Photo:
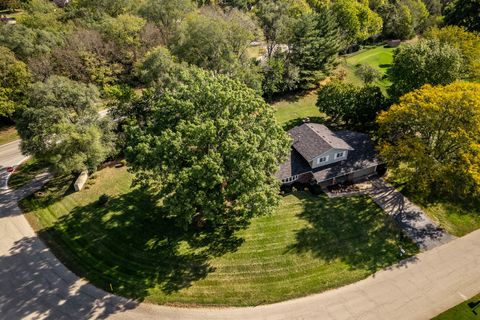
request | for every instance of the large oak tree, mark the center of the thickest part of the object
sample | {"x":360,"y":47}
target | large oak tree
{"x":208,"y":148}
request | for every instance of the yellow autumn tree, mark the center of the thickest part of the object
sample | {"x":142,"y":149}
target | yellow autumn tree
{"x":431,"y":139}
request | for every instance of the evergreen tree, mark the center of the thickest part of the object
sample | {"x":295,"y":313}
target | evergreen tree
{"x":315,"y":45}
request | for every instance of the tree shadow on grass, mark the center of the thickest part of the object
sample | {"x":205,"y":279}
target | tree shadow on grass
{"x":298,"y":121}
{"x":353,"y":230}
{"x":127,"y":247}
{"x":35,"y":285}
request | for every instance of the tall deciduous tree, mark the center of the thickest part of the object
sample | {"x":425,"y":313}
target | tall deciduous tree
{"x":209,"y":150}
{"x":14,"y":78}
{"x":467,"y":42}
{"x":431,"y":139}
{"x":218,"y":41}
{"x":61,"y":126}
{"x":464,"y":13}
{"x":356,"y":20}
{"x":349,"y":105}
{"x":166,"y":14}
{"x":428,"y":61}
{"x":397,"y":21}
{"x":277,"y":19}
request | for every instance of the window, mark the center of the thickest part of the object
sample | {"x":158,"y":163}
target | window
{"x":322,"y":159}
{"x":339,"y":155}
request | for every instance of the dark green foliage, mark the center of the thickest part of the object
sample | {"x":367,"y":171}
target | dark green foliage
{"x":61,"y":127}
{"x":314,"y":47}
{"x":279,"y":76}
{"x":26,"y":42}
{"x":208,"y":147}
{"x":465,"y":13}
{"x":351,"y":106}
{"x":428,"y":61}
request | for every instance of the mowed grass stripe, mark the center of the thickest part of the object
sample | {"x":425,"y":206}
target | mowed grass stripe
{"x":310,"y":244}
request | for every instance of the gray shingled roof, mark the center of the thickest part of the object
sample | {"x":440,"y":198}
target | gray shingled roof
{"x":362,"y":156}
{"x":314,"y":139}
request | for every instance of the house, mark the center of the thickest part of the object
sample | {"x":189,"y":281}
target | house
{"x":321,"y":156}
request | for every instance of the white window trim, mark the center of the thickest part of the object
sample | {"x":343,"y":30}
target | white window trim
{"x":320,"y":158}
{"x":342,"y":154}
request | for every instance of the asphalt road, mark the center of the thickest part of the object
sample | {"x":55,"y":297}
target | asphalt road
{"x":10,"y":156}
{"x":34,"y":284}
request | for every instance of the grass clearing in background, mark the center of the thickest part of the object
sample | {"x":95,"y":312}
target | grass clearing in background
{"x":378,"y":57}
{"x":291,"y":111}
{"x":310,"y":244}
{"x":8,"y":134}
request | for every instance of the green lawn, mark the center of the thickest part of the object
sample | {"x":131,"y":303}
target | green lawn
{"x":291,"y":111}
{"x":378,"y":57}
{"x":8,"y":134}
{"x":309,"y":245}
{"x":457,"y":218}
{"x":468,"y":310}
{"x":25,"y":173}
{"x":294,"y":110}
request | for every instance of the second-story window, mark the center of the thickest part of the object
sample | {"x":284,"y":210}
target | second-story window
{"x":322,"y":159}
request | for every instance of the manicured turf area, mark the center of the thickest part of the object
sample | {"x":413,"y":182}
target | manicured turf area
{"x":378,"y":57}
{"x":295,"y":109}
{"x":309,"y":245}
{"x":457,"y":218}
{"x":469,"y":310}
{"x":25,"y":173}
{"x":291,"y":111}
{"x":8,"y":134}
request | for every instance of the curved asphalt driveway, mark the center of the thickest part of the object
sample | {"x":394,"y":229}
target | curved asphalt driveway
{"x":35,"y":285}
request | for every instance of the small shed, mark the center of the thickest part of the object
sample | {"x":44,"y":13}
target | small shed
{"x":393,"y":43}
{"x":81,"y":180}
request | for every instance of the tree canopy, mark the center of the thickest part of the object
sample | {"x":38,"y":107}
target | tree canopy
{"x":60,"y":125}
{"x":431,"y":139}
{"x":467,"y":42}
{"x":14,"y":78}
{"x":356,"y":20}
{"x":464,"y":13}
{"x":208,"y":149}
{"x":218,"y":41}
{"x":428,"y":61}
{"x":349,"y":105}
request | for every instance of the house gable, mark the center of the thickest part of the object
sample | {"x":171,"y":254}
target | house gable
{"x":331,"y":156}
{"x":318,"y":145}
